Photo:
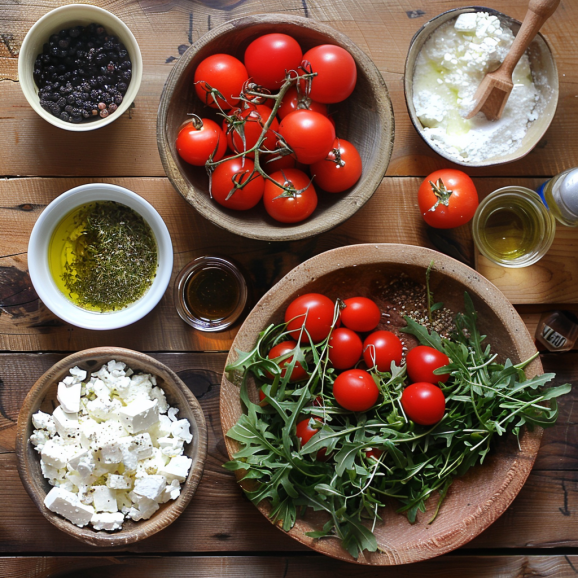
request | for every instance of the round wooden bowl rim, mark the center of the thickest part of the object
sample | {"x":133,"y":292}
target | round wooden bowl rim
{"x":397,"y":254}
{"x":312,"y":226}
{"x":144,"y":528}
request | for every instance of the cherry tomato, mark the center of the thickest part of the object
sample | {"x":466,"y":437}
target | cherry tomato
{"x":374,"y":453}
{"x":295,"y":207}
{"x":305,"y":432}
{"x":269,"y":56}
{"x":225,"y":73}
{"x":424,"y":403}
{"x":313,"y":310}
{"x":381,"y":348}
{"x":262,"y":398}
{"x":309,"y":134}
{"x":336,"y":73}
{"x":345,"y":348}
{"x":282,"y":348}
{"x":234,"y":171}
{"x":447,"y":198}
{"x":255,"y":118}
{"x":197,"y":141}
{"x":294,"y":100}
{"x":421,"y":362}
{"x":340,"y":169}
{"x":355,"y":390}
{"x":360,"y":314}
{"x":272,"y":166}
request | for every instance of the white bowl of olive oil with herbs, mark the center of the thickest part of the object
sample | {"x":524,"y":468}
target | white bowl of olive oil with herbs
{"x":100,"y":256}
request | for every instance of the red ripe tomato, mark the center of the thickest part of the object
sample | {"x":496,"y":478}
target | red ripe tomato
{"x":336,"y":73}
{"x":282,"y":348}
{"x":424,"y":403}
{"x":262,"y":398}
{"x":255,"y":118}
{"x":345,"y":348}
{"x":421,"y":362}
{"x":313,"y":310}
{"x":234,"y":171}
{"x":355,"y":390}
{"x":374,"y":453}
{"x":295,"y":207}
{"x":340,"y":169}
{"x":225,"y":73}
{"x":309,"y":134}
{"x":197,"y":141}
{"x":380,"y":349}
{"x":304,"y":431}
{"x":272,"y":166}
{"x":269,"y":56}
{"x":360,"y":314}
{"x":294,"y":100}
{"x":447,"y":199}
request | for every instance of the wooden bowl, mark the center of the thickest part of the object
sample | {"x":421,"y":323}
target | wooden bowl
{"x":365,"y":119}
{"x":42,"y":396}
{"x":541,"y":61}
{"x":475,"y":500}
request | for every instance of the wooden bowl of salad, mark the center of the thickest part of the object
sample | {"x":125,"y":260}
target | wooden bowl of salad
{"x":394,"y":277}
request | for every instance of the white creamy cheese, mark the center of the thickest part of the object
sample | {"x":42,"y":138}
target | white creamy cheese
{"x":113,"y":449}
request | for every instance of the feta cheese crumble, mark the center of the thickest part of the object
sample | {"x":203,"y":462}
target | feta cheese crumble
{"x":113,"y":449}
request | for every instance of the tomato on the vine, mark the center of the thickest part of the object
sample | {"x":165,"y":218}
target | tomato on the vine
{"x":294,"y":100}
{"x":309,"y":134}
{"x":360,"y":314}
{"x":355,"y":390}
{"x":282,"y":348}
{"x":223,"y":72}
{"x":199,"y":139}
{"x":269,"y":56}
{"x":345,"y":348}
{"x":424,"y":403}
{"x":421,"y":362}
{"x":235,"y":171}
{"x":380,"y":349}
{"x":271,"y":164}
{"x":293,"y":205}
{"x":312,"y":311}
{"x":336,"y":73}
{"x":340,"y":169}
{"x":447,"y":198}
{"x":255,"y":117}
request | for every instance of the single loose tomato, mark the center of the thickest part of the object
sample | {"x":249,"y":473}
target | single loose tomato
{"x":380,"y":349}
{"x":271,"y":164}
{"x":304,"y":431}
{"x":269,"y":56}
{"x":223,"y":72}
{"x":424,"y":403}
{"x":312,"y":311}
{"x":340,"y":169}
{"x":360,"y":314}
{"x":282,"y":348}
{"x":294,"y":100}
{"x":447,"y":198}
{"x":421,"y":362}
{"x":254,"y":119}
{"x":355,"y":390}
{"x":336,"y":73}
{"x":292,"y":199}
{"x":345,"y":348}
{"x":199,"y":139}
{"x":309,"y":134}
{"x":374,"y":453}
{"x":226,"y":178}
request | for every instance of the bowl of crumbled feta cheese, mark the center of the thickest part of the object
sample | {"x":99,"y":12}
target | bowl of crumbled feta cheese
{"x":447,"y":60}
{"x":111,"y":445}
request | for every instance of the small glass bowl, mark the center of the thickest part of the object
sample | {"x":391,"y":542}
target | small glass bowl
{"x":194,"y":267}
{"x":531,"y":211}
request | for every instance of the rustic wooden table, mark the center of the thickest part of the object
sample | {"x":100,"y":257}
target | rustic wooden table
{"x":221,"y":533}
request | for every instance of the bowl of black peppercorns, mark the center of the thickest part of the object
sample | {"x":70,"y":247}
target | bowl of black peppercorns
{"x":80,"y":67}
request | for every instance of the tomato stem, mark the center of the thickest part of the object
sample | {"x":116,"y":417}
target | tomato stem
{"x":442,"y":194}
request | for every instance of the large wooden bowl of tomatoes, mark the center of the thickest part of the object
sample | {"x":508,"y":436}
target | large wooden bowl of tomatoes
{"x":384,"y":404}
{"x":275,"y":127}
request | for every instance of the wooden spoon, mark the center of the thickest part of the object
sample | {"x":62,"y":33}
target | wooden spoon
{"x":495,"y":89}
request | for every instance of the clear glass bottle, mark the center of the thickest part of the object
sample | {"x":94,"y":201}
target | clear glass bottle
{"x":560,"y":195}
{"x":557,"y":330}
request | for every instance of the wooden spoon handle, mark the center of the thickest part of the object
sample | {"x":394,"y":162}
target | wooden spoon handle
{"x":538,"y":12}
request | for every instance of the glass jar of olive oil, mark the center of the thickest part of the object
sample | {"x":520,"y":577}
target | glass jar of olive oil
{"x":513,"y":228}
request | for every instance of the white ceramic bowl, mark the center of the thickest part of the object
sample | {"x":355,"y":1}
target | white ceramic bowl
{"x":39,"y":268}
{"x":66,"y":17}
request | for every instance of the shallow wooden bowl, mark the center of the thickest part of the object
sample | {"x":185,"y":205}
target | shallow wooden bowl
{"x":42,"y":396}
{"x":545,"y":76}
{"x":365,"y":119}
{"x":483,"y":494}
